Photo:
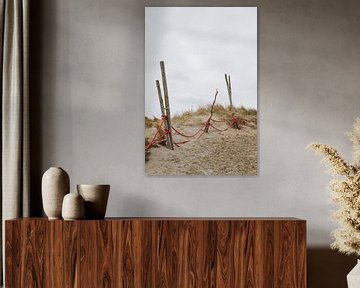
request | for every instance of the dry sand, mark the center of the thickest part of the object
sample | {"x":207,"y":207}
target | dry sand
{"x":231,"y":152}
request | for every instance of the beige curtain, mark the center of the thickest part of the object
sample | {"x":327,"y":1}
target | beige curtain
{"x":14,"y":25}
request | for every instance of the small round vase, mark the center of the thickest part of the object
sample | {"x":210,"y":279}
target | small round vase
{"x":96,"y":198}
{"x":73,"y":207}
{"x":55,"y":185}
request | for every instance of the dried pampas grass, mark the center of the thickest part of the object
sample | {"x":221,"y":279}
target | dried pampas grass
{"x":345,"y":192}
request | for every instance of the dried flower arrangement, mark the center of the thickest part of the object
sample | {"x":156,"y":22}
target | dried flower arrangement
{"x":345,"y":191}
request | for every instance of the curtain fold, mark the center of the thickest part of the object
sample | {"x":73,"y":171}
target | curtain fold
{"x":15,"y":162}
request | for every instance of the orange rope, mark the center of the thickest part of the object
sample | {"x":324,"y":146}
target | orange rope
{"x":154,"y":141}
{"x":220,"y":130}
{"x":155,"y":138}
{"x":182,"y":142}
{"x":184,"y":135}
{"x":202,"y":129}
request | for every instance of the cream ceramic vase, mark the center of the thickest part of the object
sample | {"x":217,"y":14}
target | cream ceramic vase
{"x":55,"y":185}
{"x":353,"y":278}
{"x":96,"y":198}
{"x":73,"y":207}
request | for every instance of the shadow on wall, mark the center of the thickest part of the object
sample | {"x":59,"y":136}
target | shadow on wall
{"x":328,"y":268}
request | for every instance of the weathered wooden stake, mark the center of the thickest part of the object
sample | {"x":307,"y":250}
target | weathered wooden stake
{"x":163,"y":113}
{"x":228,"y":85}
{"x":161,"y":101}
{"x":169,"y":144}
{"x":207,"y":124}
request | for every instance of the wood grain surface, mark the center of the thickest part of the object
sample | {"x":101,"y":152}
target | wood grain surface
{"x":159,"y":252}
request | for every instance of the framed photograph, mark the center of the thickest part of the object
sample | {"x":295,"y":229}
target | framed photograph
{"x":201,"y":91}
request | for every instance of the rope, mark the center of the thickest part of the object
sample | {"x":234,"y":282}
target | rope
{"x":182,"y":142}
{"x":154,"y":141}
{"x":233,"y":123}
{"x":220,"y":130}
{"x":184,"y":135}
{"x":156,"y":138}
{"x":204,"y":128}
{"x":201,"y":134}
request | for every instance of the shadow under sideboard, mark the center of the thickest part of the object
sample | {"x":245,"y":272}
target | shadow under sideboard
{"x":328,"y":268}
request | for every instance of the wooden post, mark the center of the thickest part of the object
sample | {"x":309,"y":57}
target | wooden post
{"x":230,"y":93}
{"x":163,"y":113}
{"x":228,"y":85}
{"x":207,"y":124}
{"x":169,"y":144}
{"x":161,"y":101}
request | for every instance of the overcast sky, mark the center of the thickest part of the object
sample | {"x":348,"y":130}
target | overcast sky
{"x":199,"y":45}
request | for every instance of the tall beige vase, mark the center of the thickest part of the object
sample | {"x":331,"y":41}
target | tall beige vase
{"x":55,"y":185}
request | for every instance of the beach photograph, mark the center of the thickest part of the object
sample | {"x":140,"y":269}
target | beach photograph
{"x":201,"y":91}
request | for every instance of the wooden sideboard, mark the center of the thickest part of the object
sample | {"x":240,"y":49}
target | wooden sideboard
{"x":156,"y":252}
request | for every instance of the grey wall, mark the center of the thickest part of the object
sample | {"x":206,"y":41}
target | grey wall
{"x":87,"y":89}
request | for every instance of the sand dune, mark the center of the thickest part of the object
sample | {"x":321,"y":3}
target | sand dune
{"x":231,"y":152}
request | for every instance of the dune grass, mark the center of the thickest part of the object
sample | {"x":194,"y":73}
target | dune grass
{"x":151,"y":122}
{"x":188,"y":117}
{"x":219,"y":111}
